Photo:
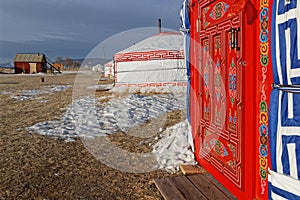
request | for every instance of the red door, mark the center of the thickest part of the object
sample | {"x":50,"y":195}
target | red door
{"x":230,"y":79}
{"x":221,"y":92}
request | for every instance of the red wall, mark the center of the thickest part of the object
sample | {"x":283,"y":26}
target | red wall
{"x":24,"y":67}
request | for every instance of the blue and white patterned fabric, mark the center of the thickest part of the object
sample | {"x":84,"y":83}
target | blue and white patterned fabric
{"x":284,"y":116}
{"x":185,"y":28}
{"x":284,"y":144}
{"x":285,"y":43}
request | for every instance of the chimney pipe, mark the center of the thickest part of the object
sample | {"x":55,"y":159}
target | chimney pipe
{"x":159,"y":25}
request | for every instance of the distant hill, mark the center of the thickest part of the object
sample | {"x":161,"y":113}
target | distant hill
{"x":90,"y":62}
{"x":6,"y":65}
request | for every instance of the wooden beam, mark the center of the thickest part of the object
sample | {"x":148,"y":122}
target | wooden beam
{"x":191,"y":169}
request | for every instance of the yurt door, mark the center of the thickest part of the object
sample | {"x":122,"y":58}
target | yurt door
{"x":221,"y":88}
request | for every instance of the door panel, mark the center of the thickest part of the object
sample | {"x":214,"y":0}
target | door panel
{"x":206,"y":71}
{"x":221,"y":92}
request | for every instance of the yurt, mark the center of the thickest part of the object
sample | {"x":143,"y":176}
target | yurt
{"x":244,"y":97}
{"x":109,"y":70}
{"x":155,"y":61}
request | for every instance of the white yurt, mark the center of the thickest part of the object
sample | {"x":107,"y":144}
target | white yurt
{"x":156,"y":61}
{"x":109,"y":70}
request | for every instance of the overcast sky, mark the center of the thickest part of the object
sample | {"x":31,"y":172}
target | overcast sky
{"x":72,"y":28}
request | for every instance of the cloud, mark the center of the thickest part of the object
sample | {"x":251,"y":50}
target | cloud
{"x":84,"y":22}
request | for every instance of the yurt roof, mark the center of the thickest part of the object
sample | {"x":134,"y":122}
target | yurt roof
{"x":161,"y":41}
{"x":108,"y":64}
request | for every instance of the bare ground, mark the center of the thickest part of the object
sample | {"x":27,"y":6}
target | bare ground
{"x":39,"y":167}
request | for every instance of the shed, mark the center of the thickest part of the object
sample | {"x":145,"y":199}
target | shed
{"x":155,"y":61}
{"x":245,"y":97}
{"x":30,"y":63}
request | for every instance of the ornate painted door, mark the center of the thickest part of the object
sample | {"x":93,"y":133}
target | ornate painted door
{"x":221,"y":90}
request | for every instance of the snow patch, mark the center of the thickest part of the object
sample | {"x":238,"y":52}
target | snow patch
{"x":149,"y":90}
{"x":86,"y":118}
{"x":83,"y":119}
{"x":100,"y":87}
{"x":33,"y":94}
{"x":173,"y":149}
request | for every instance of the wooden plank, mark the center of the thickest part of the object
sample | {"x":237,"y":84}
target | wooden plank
{"x":207,"y":188}
{"x":191,"y":169}
{"x":187,"y":189}
{"x":178,"y":188}
{"x":193,"y":187}
{"x":212,"y":180}
{"x":168,"y":190}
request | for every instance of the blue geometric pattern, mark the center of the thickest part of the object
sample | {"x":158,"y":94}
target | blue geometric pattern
{"x":284,"y":132}
{"x":282,"y":187}
{"x":290,"y":109}
{"x":285,"y":43}
{"x":284,"y":114}
{"x":185,"y":28}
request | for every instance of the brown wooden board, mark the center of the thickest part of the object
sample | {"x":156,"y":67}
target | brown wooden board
{"x":178,"y":188}
{"x":219,"y":185}
{"x":188,"y":190}
{"x":168,"y":189}
{"x":200,"y":186}
{"x":209,"y":189}
{"x":191,"y":169}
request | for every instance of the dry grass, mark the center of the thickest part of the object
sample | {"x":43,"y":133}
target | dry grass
{"x":38,"y":167}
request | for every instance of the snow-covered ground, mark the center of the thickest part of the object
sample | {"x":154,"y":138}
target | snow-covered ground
{"x":149,"y":90}
{"x":34,"y":94}
{"x":87,"y":118}
{"x":100,"y":87}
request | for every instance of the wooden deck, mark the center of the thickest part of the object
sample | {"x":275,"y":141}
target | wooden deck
{"x":199,"y":186}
